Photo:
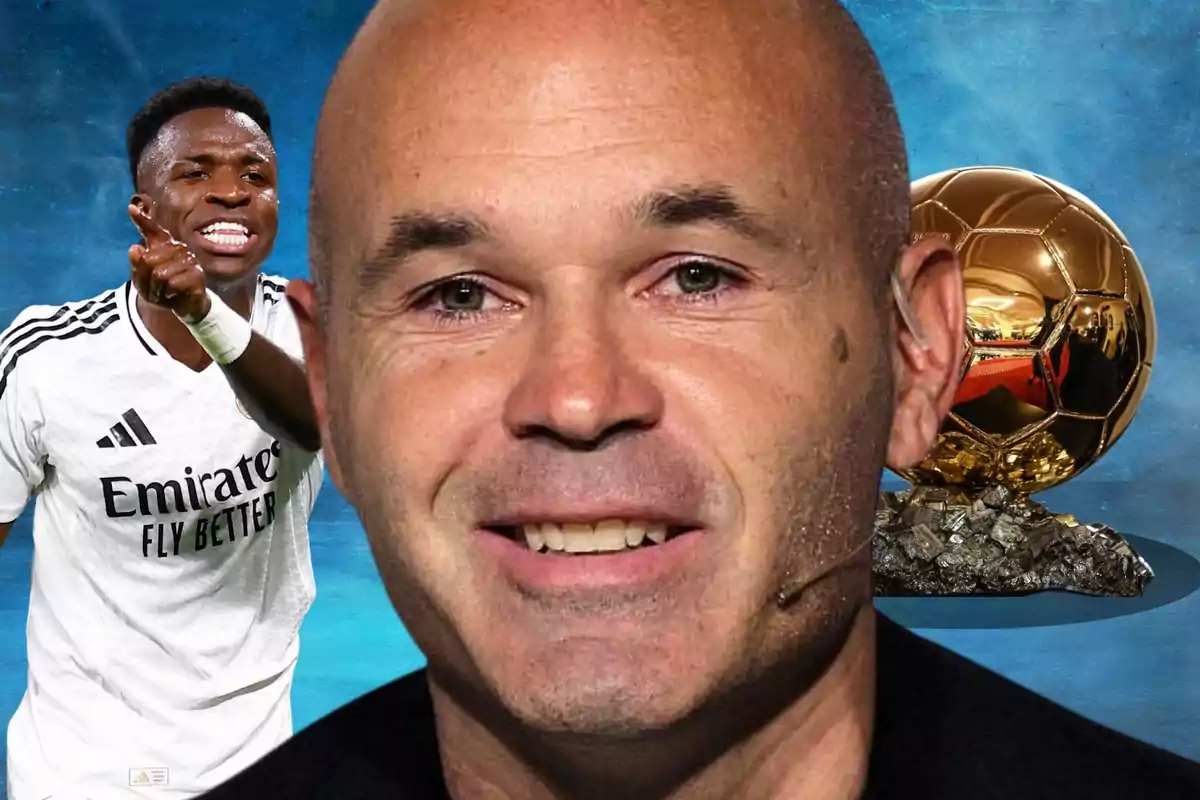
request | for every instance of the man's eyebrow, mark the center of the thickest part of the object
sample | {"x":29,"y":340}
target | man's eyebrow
{"x":715,"y":204}
{"x":416,"y":232}
{"x":209,"y":160}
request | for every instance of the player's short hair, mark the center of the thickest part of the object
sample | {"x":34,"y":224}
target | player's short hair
{"x":184,"y":96}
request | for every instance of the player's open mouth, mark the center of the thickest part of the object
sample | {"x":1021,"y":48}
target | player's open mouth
{"x":227,"y":238}
{"x":579,"y":538}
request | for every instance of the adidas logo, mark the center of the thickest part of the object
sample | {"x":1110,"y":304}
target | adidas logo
{"x":120,"y":435}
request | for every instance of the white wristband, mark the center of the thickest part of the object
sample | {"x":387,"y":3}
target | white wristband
{"x":223,"y":333}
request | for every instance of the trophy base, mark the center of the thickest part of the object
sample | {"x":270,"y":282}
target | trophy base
{"x":940,"y":541}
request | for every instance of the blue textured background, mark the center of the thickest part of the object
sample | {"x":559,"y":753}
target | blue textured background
{"x":1099,"y":94}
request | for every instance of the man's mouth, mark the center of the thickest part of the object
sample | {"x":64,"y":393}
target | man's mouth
{"x":579,"y":538}
{"x":227,"y":238}
{"x":548,"y":553}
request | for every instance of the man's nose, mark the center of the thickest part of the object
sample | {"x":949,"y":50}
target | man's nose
{"x":228,"y":190}
{"x":581,"y":386}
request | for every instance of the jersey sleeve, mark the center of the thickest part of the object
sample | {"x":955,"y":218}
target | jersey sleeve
{"x":22,"y":457}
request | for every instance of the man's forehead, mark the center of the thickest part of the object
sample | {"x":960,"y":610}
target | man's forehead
{"x":623,"y":117}
{"x":206,"y":128}
{"x":491,"y":53}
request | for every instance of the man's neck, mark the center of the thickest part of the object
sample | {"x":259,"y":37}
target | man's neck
{"x":817,"y":746}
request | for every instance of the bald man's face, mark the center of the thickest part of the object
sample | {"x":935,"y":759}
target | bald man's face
{"x":600,"y":372}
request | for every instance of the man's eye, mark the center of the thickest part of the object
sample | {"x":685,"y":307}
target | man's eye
{"x":698,"y":279}
{"x":460,"y":295}
{"x":460,"y":301}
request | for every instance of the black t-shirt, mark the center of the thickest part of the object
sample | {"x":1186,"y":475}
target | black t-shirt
{"x":945,"y":729}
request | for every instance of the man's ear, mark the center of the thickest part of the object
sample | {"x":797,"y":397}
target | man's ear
{"x":928,"y":361}
{"x":142,"y":201}
{"x":302,"y":297}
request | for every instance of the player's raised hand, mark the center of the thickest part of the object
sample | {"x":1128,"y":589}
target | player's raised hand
{"x":164,"y":271}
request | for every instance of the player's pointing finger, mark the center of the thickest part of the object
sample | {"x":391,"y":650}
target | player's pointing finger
{"x":151,"y":231}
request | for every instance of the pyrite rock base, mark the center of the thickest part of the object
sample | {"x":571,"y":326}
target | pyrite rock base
{"x":948,"y":541}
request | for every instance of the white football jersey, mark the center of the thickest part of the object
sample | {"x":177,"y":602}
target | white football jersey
{"x":171,"y":565}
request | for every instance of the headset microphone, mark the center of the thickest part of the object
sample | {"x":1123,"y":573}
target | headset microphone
{"x":792,"y":590}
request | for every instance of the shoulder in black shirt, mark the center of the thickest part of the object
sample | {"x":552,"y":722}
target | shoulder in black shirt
{"x":945,"y":729}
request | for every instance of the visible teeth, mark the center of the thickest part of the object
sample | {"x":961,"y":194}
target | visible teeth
{"x":607,"y":536}
{"x":227,"y":234}
{"x":534,"y":537}
{"x":578,"y":538}
{"x":228,"y":239}
{"x":554,"y":537}
{"x":227,"y":227}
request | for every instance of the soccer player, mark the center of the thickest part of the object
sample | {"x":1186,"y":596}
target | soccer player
{"x":606,"y":355}
{"x":166,"y":431}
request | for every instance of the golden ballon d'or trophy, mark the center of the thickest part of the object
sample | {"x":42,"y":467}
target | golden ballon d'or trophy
{"x":1060,"y":335}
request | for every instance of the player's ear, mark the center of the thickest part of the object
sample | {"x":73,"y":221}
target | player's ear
{"x":144,"y":204}
{"x":302,"y":297}
{"x":929,"y":340}
{"x":142,"y":201}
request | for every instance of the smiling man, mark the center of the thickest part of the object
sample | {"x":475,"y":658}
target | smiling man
{"x":171,"y":565}
{"x":604,"y":347}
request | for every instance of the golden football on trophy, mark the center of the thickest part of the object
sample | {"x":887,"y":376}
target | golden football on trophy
{"x":1060,"y":330}
{"x":1059,"y":339}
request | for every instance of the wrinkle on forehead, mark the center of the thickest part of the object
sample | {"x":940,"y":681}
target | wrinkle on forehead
{"x":422,"y":70}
